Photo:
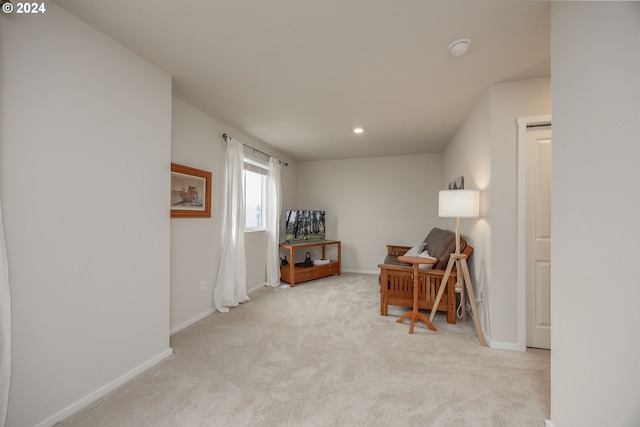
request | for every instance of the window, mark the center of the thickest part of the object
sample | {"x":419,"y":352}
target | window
{"x":255,"y":184}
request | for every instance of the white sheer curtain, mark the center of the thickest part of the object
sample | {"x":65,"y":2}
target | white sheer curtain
{"x":231,"y":286}
{"x":274,"y":202}
{"x":5,"y":327}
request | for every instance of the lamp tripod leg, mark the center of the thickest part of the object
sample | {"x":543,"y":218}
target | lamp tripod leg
{"x":472,"y":300}
{"x":462,"y":298}
{"x":443,"y":284}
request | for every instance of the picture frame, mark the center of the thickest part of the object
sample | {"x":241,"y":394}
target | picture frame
{"x":190,"y":192}
{"x":457,"y":184}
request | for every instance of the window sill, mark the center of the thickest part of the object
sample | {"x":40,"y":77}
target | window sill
{"x":255,"y":230}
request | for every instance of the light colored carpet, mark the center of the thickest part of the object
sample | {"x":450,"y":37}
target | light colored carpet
{"x":320,"y":354}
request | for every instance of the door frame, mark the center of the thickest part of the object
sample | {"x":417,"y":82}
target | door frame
{"x":521,"y":283}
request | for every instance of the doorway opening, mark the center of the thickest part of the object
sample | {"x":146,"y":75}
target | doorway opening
{"x":533,"y":264}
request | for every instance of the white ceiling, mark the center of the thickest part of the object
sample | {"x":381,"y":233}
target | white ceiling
{"x":300,"y":74}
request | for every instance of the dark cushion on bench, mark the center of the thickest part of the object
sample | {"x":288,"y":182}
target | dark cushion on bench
{"x":440,"y":243}
{"x":393,"y":260}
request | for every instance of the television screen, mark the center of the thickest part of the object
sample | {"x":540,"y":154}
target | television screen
{"x":305,"y":225}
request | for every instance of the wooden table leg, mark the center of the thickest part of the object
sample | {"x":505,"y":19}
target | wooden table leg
{"x":415,"y":313}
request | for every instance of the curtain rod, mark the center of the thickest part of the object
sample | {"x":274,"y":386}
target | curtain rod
{"x":226,"y":137}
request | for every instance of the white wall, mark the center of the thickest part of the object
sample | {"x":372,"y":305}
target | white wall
{"x":85,"y":143}
{"x":372,"y":202}
{"x":469,"y":155}
{"x":595,"y":375}
{"x":508,"y":102}
{"x":196,"y":243}
{"x":484,"y":152}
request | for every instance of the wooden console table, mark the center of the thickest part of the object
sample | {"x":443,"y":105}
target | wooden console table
{"x":292,"y":274}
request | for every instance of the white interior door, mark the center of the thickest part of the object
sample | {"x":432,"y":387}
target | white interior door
{"x":538,"y":236}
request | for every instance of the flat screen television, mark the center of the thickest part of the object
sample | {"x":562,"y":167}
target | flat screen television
{"x":305,"y":225}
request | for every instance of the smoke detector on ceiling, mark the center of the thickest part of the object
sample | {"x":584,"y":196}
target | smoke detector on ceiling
{"x":460,"y":46}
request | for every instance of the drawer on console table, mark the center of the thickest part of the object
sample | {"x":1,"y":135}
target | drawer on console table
{"x":328,"y":269}
{"x":302,"y":274}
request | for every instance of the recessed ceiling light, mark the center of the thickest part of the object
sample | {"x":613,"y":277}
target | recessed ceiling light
{"x":358,"y":130}
{"x":460,"y":46}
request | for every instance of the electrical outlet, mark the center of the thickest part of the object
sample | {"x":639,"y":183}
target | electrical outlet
{"x":203,"y":286}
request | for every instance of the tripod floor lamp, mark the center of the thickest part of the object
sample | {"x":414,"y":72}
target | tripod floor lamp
{"x":459,"y":204}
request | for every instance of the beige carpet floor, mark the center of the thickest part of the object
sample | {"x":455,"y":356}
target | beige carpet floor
{"x":320,"y":354}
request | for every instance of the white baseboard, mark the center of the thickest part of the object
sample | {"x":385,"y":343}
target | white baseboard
{"x":361,"y":271}
{"x":256,"y":288}
{"x":506,"y":346}
{"x":191,"y":321}
{"x":102,"y":391}
{"x":548,"y":423}
{"x":212,"y":310}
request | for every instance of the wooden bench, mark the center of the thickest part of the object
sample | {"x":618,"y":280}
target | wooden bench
{"x":396,"y":285}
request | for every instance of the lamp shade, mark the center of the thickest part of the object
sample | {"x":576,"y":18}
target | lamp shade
{"x":459,"y":203}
